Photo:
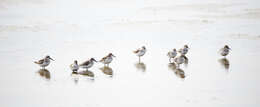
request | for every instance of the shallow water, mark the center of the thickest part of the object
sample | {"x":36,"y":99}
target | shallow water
{"x":80,"y":29}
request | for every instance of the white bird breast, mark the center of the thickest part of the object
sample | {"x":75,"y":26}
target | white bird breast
{"x":180,"y":60}
{"x":224,"y":52}
{"x":74,"y":67}
{"x":108,"y":60}
{"x":45,"y":63}
{"x":88,"y":66}
{"x":141,"y":53}
{"x":172,"y":54}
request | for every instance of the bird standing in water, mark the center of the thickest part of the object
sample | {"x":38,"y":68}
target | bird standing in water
{"x":179,"y":60}
{"x":225,"y":51}
{"x":74,"y":67}
{"x":184,"y":50}
{"x":140,"y":52}
{"x":172,"y":54}
{"x":44,"y":62}
{"x":88,"y":64}
{"x":107,"y":59}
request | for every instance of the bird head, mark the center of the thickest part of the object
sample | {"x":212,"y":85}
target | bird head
{"x":48,"y":57}
{"x":186,"y":46}
{"x":75,"y":61}
{"x":92,"y":59}
{"x":110,"y":54}
{"x":143,"y":47}
{"x":227,"y":47}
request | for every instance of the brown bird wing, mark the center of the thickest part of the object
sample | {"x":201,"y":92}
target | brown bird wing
{"x":136,"y":51}
{"x":39,"y":62}
{"x":103,"y":58}
{"x":85,"y":63}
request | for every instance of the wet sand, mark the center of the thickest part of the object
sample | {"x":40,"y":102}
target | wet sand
{"x":80,"y":29}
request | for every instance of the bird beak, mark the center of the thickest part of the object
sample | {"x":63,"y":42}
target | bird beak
{"x":95,"y":60}
{"x":51,"y":59}
{"x":113,"y":55}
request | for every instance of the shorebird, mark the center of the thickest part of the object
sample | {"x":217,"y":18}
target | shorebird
{"x":184,"y":50}
{"x":74,"y":67}
{"x":107,"y":59}
{"x":88,"y":64}
{"x":140,"y":52}
{"x":180,"y":60}
{"x":44,"y":62}
{"x":225,"y":51}
{"x":172,"y":54}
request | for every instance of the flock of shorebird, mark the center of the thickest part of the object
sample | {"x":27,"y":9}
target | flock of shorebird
{"x":177,"y":59}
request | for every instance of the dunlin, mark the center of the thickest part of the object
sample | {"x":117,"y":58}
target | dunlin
{"x":225,"y":51}
{"x":88,"y":64}
{"x":179,"y":60}
{"x":184,"y":50}
{"x":172,"y":54}
{"x":74,"y":67}
{"x":44,"y":62}
{"x":140,"y":52}
{"x":107,"y":59}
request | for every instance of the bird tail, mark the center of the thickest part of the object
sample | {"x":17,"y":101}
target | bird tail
{"x":135,"y":51}
{"x":36,"y":62}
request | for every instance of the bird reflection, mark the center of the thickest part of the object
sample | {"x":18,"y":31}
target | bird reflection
{"x":45,"y":73}
{"x":180,"y":73}
{"x":186,"y":60}
{"x":86,"y":73}
{"x":140,"y":66}
{"x":172,"y":66}
{"x":107,"y":70}
{"x":75,"y":77}
{"x":224,"y":62}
